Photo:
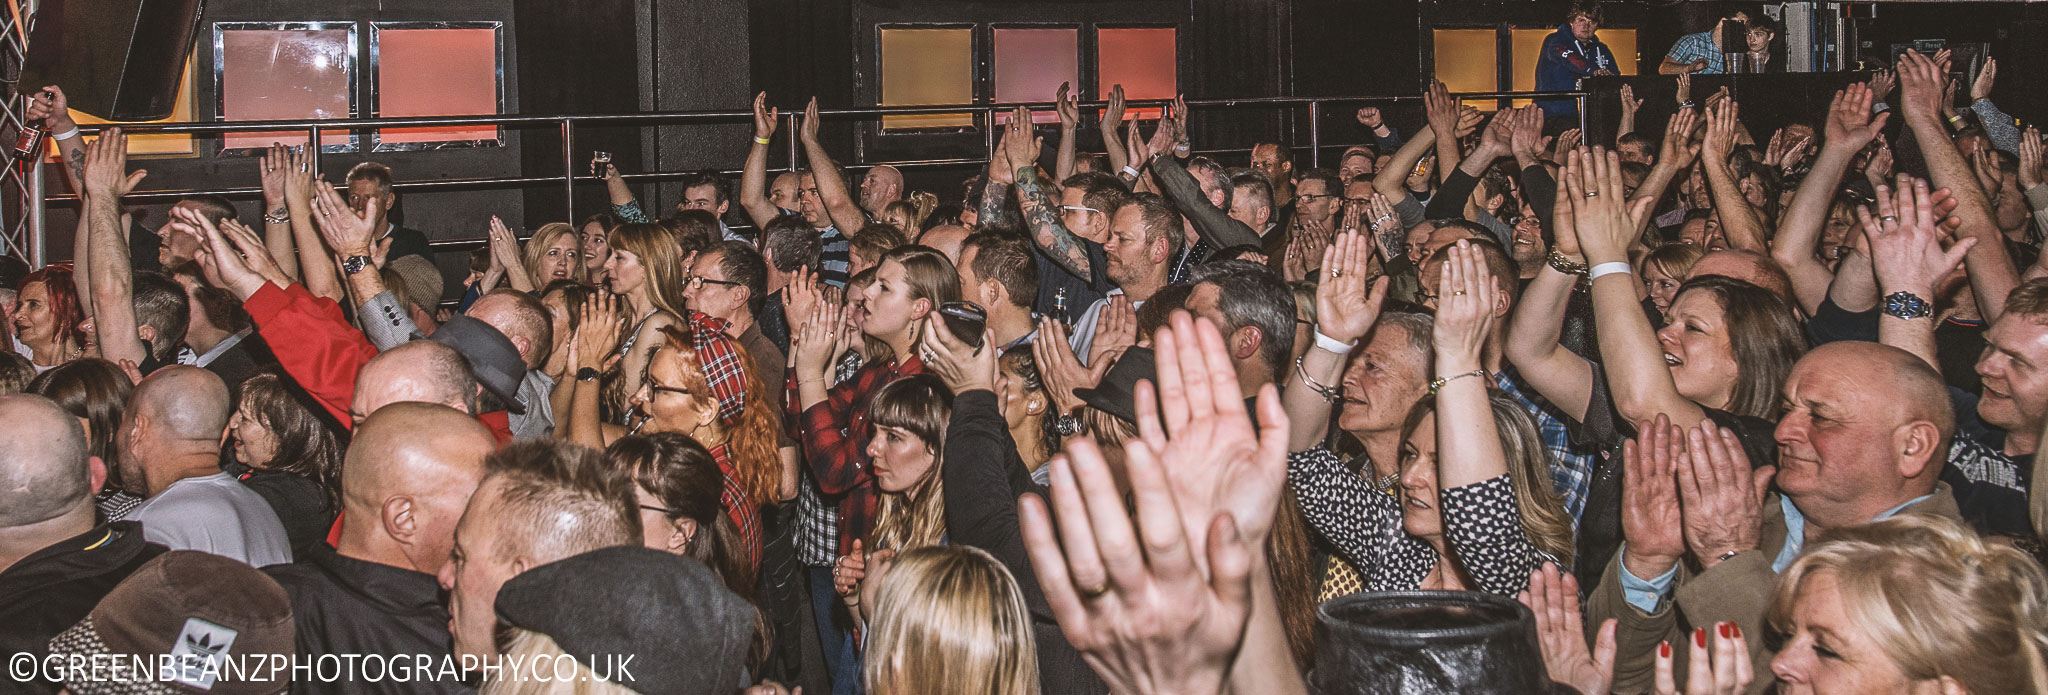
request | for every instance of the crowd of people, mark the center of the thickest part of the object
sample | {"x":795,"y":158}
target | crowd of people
{"x":1092,"y":422}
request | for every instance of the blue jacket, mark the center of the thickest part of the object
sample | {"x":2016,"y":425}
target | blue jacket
{"x":1564,"y":60}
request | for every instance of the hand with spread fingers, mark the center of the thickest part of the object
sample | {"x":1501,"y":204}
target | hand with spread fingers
{"x":1222,"y":462}
{"x":106,"y":167}
{"x":1553,"y":597}
{"x":221,"y":260}
{"x":347,"y":232}
{"x":1349,"y":298}
{"x":1905,"y":242}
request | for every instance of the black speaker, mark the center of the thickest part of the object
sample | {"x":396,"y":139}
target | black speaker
{"x":116,"y":59}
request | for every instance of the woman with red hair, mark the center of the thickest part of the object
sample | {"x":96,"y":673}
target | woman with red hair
{"x":46,"y":318}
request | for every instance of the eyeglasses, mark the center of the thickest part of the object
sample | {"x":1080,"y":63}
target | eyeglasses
{"x":663,"y":510}
{"x":1079,"y":208}
{"x":696,"y":282}
{"x":658,"y":388}
{"x":1313,"y":197}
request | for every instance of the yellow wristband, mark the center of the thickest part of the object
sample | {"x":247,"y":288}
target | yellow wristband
{"x":760,"y":141}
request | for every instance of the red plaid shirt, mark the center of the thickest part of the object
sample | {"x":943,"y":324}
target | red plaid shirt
{"x":835,"y":436}
{"x":739,"y":507}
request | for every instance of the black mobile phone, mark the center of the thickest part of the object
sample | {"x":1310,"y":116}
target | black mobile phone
{"x":965,"y":320}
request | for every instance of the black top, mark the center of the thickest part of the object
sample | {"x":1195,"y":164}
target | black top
{"x":1065,"y":295}
{"x":773,"y":324}
{"x":341,"y":605}
{"x":984,"y":475}
{"x":242,"y":360}
{"x":54,"y":588}
{"x":300,"y":503}
{"x":1990,"y":487}
{"x":408,"y":242}
{"x":1604,"y":428}
{"x":1957,"y":342}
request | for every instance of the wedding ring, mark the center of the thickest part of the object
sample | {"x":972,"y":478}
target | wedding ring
{"x":1889,"y":218}
{"x":1336,"y":272}
{"x":1457,"y":293}
{"x":1592,"y":194}
{"x":1094,"y":592}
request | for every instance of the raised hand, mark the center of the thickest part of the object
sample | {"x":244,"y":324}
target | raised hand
{"x":1921,"y":84}
{"x":1987,"y":77}
{"x":1723,"y":120}
{"x":808,"y":130}
{"x":2030,"y":159}
{"x":1629,"y":102}
{"x":347,"y":232}
{"x":1879,"y":168}
{"x":1553,"y":597}
{"x":1020,"y":145}
{"x":1684,"y":93}
{"x":1468,"y":121}
{"x":1905,"y":243}
{"x":1650,"y":516}
{"x":1115,"y":331}
{"x":963,"y":368}
{"x":1440,"y":109}
{"x":803,"y":294}
{"x":252,"y":249}
{"x":1677,"y":147}
{"x":1349,"y":299}
{"x":221,"y":261}
{"x":106,"y":166}
{"x":1062,"y":370}
{"x":1135,"y":601}
{"x":1565,"y":142}
{"x":1113,"y":114}
{"x":1850,"y":124}
{"x":1369,"y":116}
{"x":1466,"y":309}
{"x":1727,"y":672}
{"x":765,"y":118}
{"x":275,"y":166}
{"x":818,"y":342}
{"x":1222,"y":464}
{"x":1069,"y":109}
{"x":298,"y":182}
{"x":597,"y":334}
{"x":1607,"y":221}
{"x":1882,"y":83}
{"x":1525,"y":134}
{"x":1720,"y":496}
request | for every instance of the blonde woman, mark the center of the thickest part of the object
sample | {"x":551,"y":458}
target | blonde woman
{"x":554,"y":253}
{"x":645,"y":269}
{"x":1911,"y":604}
{"x":949,"y":619}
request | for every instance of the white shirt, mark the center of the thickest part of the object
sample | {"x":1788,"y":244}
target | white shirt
{"x":215,"y":514}
{"x":1083,"y":336}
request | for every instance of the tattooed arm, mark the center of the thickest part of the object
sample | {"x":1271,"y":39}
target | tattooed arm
{"x":1043,"y":216}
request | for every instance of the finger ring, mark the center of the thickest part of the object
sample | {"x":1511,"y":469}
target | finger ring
{"x":1457,"y":293}
{"x":1336,"y":272}
{"x":1592,"y":194}
{"x":1095,"y":592}
{"x":1889,"y":218}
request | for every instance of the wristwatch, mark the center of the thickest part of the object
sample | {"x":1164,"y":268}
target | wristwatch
{"x":1906,"y":305}
{"x":586,"y":374}
{"x":354,"y":264}
{"x":278,"y":216}
{"x":1067,"y":425}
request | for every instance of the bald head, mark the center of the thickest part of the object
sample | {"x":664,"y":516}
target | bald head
{"x":523,"y":320}
{"x":410,"y":469}
{"x":421,"y":370}
{"x":44,"y":469}
{"x":883,"y":185}
{"x":1866,"y":429}
{"x":947,"y":238}
{"x":1889,"y":380}
{"x":182,"y":402}
{"x":1747,"y":266}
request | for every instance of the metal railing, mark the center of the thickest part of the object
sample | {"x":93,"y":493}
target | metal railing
{"x":985,"y":115}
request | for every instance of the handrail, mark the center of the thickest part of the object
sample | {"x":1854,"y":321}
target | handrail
{"x":567,"y":124}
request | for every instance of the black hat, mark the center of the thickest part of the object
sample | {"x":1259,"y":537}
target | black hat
{"x":197,"y":609}
{"x":689,"y":634}
{"x":1117,"y":394}
{"x":1428,"y":642}
{"x":492,"y":357}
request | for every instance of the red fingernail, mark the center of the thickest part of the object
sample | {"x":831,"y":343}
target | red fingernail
{"x":1725,"y":634}
{"x":1664,"y":650}
{"x":1736,"y":629}
{"x":1699,"y":637}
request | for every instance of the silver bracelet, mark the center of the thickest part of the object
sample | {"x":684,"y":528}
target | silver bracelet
{"x":1328,"y":393}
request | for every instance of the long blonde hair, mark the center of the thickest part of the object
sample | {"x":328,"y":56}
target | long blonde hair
{"x":949,"y":619}
{"x":661,"y":259}
{"x":916,"y":517}
{"x":530,"y":647}
{"x":1528,"y":462}
{"x":1938,"y":600}
{"x":537,"y":249}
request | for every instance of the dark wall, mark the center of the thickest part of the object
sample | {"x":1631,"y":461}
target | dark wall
{"x":577,"y":61}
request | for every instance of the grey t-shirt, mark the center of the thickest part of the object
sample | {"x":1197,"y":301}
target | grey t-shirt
{"x":215,"y":514}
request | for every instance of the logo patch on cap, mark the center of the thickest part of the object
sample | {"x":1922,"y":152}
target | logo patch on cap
{"x":196,"y":656}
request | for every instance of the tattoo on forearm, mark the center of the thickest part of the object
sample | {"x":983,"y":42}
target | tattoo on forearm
{"x":1058,"y":242}
{"x":1393,"y":240}
{"x":74,"y":159}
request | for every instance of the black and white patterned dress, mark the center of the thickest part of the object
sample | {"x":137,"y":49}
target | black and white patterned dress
{"x":1481,"y":521}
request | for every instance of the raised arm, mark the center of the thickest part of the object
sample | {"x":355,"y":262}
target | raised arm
{"x":1850,"y":127}
{"x":277,"y":216}
{"x":1041,"y":212}
{"x":1472,"y":467}
{"x":1905,"y":248}
{"x":840,"y":205}
{"x":1674,"y":155}
{"x":1990,"y":269}
{"x":1637,"y":375}
{"x":1443,"y":113}
{"x":350,"y":235}
{"x":1629,"y":105}
{"x":316,"y":265}
{"x":1348,"y":302}
{"x":107,"y":179}
{"x":1536,"y":328}
{"x":754,"y":179}
{"x":1070,"y":120}
{"x":1216,"y":225}
{"x":1112,"y":120}
{"x":1739,"y":219}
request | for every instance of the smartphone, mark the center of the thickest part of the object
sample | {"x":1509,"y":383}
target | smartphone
{"x":965,"y":320}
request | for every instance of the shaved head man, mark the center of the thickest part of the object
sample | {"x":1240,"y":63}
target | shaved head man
{"x":170,"y":453}
{"x":883,"y":185}
{"x":1866,"y":429}
{"x":410,"y":470}
{"x":421,"y":370}
{"x":540,"y":501}
{"x":55,"y":565}
{"x":524,"y":321}
{"x":1747,"y":266}
{"x":947,"y":238}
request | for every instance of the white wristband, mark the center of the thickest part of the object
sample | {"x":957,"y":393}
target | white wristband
{"x":1608,"y":268}
{"x":1131,"y":171}
{"x":1333,"y":345}
{"x":66,"y":135}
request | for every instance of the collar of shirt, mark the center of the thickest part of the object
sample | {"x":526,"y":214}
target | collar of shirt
{"x":1795,"y":529}
{"x":1021,"y":341}
{"x":221,"y":349}
{"x":397,"y":587}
